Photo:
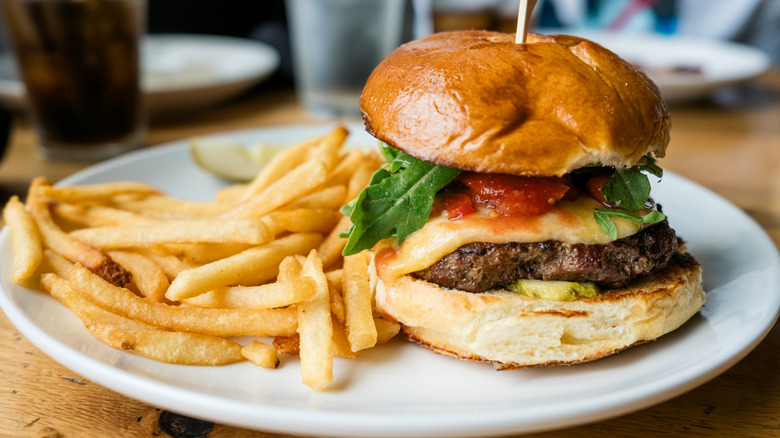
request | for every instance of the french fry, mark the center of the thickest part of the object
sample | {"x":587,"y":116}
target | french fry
{"x":346,"y":169}
{"x":266,"y":296}
{"x":287,"y":344}
{"x":335,"y":277}
{"x":170,"y":264}
{"x":385,"y":330}
{"x":341,"y":348}
{"x":343,"y":171}
{"x":148,"y":276}
{"x":298,"y":182}
{"x":70,"y":248}
{"x":300,"y":258}
{"x":330,"y":248}
{"x":166,"y":207}
{"x":284,"y":162}
{"x":231,"y":194}
{"x":358,"y":315}
{"x":301,"y":220}
{"x":328,"y":150}
{"x":251,"y":267}
{"x":215,"y":322}
{"x":261,"y":354}
{"x":374,"y":159}
{"x":249,"y":263}
{"x":341,"y":345}
{"x":96,"y":192}
{"x":202,"y":253}
{"x":289,"y":269}
{"x":57,"y":264}
{"x":336,"y":298}
{"x":25,"y":240}
{"x":331,"y":198}
{"x":248,"y":230}
{"x":315,"y":329}
{"x":59,"y":288}
{"x":281,"y":164}
{"x":360,"y":178}
{"x":99,"y":216}
{"x":127,"y":334}
{"x":166,"y":346}
{"x":53,"y":237}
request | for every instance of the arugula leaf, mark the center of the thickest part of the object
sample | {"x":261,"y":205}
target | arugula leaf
{"x":627,"y":189}
{"x":604,"y":216}
{"x":397,"y":201}
{"x":606,"y":224}
{"x":388,"y":152}
{"x":647,"y":164}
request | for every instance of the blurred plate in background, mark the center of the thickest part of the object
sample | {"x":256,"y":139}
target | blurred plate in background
{"x":181,"y":72}
{"x":686,"y":68}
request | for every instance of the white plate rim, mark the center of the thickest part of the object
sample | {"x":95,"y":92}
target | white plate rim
{"x":336,"y":423}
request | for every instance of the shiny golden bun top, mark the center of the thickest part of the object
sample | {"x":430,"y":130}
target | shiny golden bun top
{"x":477,"y":101}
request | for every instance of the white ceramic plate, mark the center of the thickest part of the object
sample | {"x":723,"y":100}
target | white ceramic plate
{"x":181,"y":71}
{"x":399,"y":389}
{"x":721,"y":63}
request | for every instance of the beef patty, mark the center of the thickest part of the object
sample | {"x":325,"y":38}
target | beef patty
{"x":477,"y":267}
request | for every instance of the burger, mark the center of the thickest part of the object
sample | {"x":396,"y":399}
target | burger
{"x":513,"y":221}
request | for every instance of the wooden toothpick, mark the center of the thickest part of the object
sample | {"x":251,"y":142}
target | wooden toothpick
{"x":523,"y":18}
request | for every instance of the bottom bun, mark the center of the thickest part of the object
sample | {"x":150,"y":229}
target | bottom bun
{"x":512,"y":330}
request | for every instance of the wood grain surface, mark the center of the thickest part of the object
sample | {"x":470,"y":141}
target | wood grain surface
{"x":730,"y":144}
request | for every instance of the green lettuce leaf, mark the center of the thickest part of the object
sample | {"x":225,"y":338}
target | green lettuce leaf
{"x":604,"y":217}
{"x":396,"y":202}
{"x":629,"y":190}
{"x":647,"y":164}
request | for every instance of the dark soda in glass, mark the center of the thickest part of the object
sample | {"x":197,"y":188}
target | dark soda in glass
{"x":80,"y":63}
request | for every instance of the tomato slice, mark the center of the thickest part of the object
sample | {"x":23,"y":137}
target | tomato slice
{"x":458,"y":205}
{"x":515,"y":195}
{"x":595,"y":186}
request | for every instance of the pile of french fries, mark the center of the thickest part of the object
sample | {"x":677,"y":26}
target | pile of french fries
{"x":177,"y":280}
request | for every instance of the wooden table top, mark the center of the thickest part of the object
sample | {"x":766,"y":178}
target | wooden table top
{"x":730,"y":145}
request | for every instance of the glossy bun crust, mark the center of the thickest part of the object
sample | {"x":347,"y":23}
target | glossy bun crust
{"x":477,"y":101}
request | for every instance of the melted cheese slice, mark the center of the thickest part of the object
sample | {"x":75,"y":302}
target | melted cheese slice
{"x":568,"y":222}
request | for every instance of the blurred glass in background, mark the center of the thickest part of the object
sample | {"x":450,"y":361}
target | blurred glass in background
{"x":335,"y":46}
{"x":79,"y":61}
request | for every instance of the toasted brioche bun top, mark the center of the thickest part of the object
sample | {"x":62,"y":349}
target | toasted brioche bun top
{"x":478,"y":101}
